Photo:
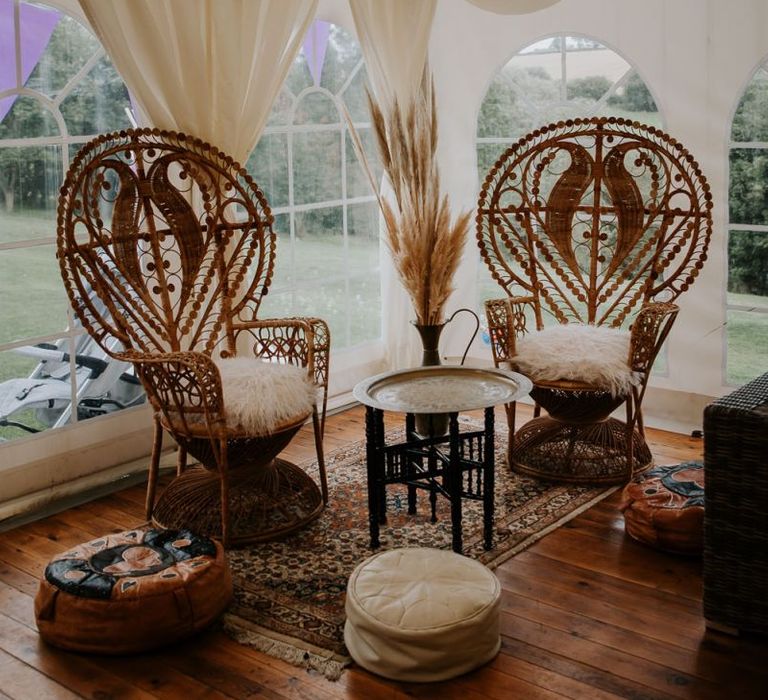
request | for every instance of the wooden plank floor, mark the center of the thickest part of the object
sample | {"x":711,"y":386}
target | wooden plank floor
{"x":587,"y":613}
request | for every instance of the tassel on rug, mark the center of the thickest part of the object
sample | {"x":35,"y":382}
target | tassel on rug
{"x":330,"y":665}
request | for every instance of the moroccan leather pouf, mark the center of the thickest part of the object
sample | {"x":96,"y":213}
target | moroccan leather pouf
{"x":664,"y":507}
{"x":132,"y":591}
{"x":421,"y":614}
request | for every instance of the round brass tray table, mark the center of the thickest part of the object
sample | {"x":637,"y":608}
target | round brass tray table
{"x":457,"y":465}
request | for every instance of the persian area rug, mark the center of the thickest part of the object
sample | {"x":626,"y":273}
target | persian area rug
{"x":289,"y":594}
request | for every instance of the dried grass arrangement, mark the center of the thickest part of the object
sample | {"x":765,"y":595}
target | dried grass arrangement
{"x":426,"y":246}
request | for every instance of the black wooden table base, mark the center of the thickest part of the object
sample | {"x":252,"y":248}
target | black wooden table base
{"x":457,"y":465}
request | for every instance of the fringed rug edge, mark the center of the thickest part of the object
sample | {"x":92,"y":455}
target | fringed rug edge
{"x":289,"y":649}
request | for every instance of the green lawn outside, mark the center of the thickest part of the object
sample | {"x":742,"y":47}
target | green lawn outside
{"x":307,"y":281}
{"x":752,"y":301}
{"x":33,"y":301}
{"x":747,"y":346}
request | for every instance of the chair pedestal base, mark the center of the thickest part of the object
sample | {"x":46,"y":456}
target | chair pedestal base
{"x":591,"y":453}
{"x":265,"y":502}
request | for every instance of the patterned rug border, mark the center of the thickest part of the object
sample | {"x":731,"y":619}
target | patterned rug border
{"x":302,"y":653}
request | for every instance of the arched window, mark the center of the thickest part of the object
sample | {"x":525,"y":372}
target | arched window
{"x":326,"y":218}
{"x":58,"y":89}
{"x":557,"y":78}
{"x":747,"y":300}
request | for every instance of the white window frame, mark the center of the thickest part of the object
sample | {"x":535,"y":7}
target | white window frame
{"x":345,"y":273}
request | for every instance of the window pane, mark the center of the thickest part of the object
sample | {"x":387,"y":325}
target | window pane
{"x":32,"y":296}
{"x":30,"y":179}
{"x":283,"y":273}
{"x":633,"y":100}
{"x":298,"y":77}
{"x":748,"y":268}
{"x":329,"y":301}
{"x":748,"y":188}
{"x":363,"y":236}
{"x":35,"y":392}
{"x":316,"y":167}
{"x":282,"y":110}
{"x":268,"y":166}
{"x":358,"y":184}
{"x":35,"y":382}
{"x":98,"y":102}
{"x":341,"y":57}
{"x":750,"y":122}
{"x":71,"y":45}
{"x":556,"y":78}
{"x":586,"y":58}
{"x":318,"y":245}
{"x":316,"y":108}
{"x":502,"y":113}
{"x":105,"y":385}
{"x":487,"y":155}
{"x":35,"y":385}
{"x":747,"y":345}
{"x":364,"y":303}
{"x":27,"y":118}
{"x":355,"y":98}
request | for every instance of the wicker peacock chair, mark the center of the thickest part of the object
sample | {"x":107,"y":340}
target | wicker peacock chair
{"x":166,"y":249}
{"x":596,"y":222}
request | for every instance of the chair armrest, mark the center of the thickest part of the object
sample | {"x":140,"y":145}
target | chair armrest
{"x":183,"y":386}
{"x":299,"y":341}
{"x":506,"y":323}
{"x":305,"y":341}
{"x":648,"y":332}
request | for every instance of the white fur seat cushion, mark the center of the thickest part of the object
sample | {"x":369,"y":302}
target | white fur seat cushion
{"x":580,"y":353}
{"x":259,"y":396}
{"x":421,"y":614}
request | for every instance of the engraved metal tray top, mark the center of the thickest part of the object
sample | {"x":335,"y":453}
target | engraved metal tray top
{"x":445,"y":388}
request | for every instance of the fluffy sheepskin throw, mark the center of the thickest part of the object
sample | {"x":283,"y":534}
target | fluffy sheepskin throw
{"x":580,"y":353}
{"x":260,"y":396}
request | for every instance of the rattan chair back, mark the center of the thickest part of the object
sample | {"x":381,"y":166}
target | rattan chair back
{"x":164,"y":243}
{"x":594,"y":218}
{"x":166,"y":248}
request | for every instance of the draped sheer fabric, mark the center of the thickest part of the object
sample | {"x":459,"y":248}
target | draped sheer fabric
{"x":394,"y":38}
{"x":210,"y":68}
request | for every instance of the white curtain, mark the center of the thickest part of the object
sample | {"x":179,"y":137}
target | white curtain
{"x":394,"y":37}
{"x":209,"y":68}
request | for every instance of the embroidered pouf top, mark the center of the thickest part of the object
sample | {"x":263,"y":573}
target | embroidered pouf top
{"x":664,"y":507}
{"x":132,"y":591}
{"x":421,"y":614}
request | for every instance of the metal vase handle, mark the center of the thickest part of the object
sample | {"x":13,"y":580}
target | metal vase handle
{"x":477,"y":328}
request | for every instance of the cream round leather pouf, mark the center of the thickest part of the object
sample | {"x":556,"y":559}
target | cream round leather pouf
{"x":419,"y":614}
